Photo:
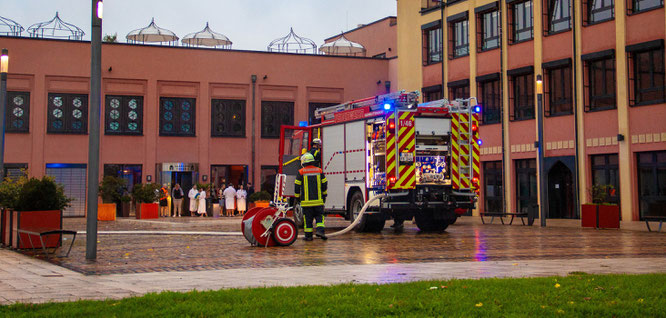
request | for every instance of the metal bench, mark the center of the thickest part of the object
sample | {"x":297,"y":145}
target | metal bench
{"x":41,"y":232}
{"x":502,"y":215}
{"x":649,"y":219}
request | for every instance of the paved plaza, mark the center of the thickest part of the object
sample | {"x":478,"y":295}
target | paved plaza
{"x":216,"y":256}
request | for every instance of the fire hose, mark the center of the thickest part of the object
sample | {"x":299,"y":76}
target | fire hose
{"x":358,"y":218}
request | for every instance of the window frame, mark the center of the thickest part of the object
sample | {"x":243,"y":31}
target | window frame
{"x":177,"y":101}
{"x":434,"y":89}
{"x":608,"y":58}
{"x":428,"y":55}
{"x":526,"y":167}
{"x":215,"y":120}
{"x":25,"y":115}
{"x":511,"y":19}
{"x":285,"y":105}
{"x":67,"y":109}
{"x":528,"y":74}
{"x":654,"y":49}
{"x":459,"y":87}
{"x":124,"y":113}
{"x":563,"y":67}
{"x":606,"y":169}
{"x":654,"y":165}
{"x":456,"y":23}
{"x":312,"y":107}
{"x":548,"y":14}
{"x":492,"y":171}
{"x":588,"y":11}
{"x":488,"y":107}
{"x":631,"y":7}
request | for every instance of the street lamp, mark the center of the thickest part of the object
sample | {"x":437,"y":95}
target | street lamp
{"x":540,"y":150}
{"x":4,"y":67}
{"x":93,"y":141}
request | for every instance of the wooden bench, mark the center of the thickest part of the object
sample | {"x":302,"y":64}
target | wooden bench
{"x":41,"y":232}
{"x":649,"y":219}
{"x":502,"y":215}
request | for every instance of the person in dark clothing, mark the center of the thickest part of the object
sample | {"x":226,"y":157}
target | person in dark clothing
{"x":315,"y":151}
{"x":250,"y":189}
{"x":310,"y":191}
{"x":177,"y":194}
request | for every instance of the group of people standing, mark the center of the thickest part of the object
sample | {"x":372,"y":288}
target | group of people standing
{"x":232,"y":201}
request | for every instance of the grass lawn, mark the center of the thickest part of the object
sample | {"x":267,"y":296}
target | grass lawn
{"x":575,"y":295}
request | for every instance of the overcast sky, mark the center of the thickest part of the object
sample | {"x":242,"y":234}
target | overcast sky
{"x":250,"y":24}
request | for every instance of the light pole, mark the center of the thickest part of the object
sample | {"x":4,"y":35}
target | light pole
{"x":4,"y":67}
{"x":540,"y":150}
{"x":93,"y":141}
{"x":441,"y":11}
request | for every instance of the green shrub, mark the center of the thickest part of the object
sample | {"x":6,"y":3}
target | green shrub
{"x":260,"y":196}
{"x":125,"y":198}
{"x":41,"y":195}
{"x":600,"y":193}
{"x":111,"y":189}
{"x":10,"y":189}
{"x":146,"y":193}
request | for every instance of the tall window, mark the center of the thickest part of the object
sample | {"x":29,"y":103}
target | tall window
{"x":526,"y":184}
{"x":637,"y":6}
{"x":492,"y":186}
{"x":311,"y":111}
{"x":491,"y":100}
{"x":228,"y":118}
{"x":17,"y":114}
{"x":598,"y":10}
{"x":177,"y":116}
{"x":559,"y":95}
{"x":432,"y":44}
{"x":605,"y":172}
{"x":522,"y":91}
{"x":459,"y":89}
{"x":652,"y":183}
{"x":601,"y":83}
{"x":521,"y":21}
{"x":490,"y":30}
{"x":432,"y":93}
{"x":123,"y":115}
{"x":648,"y":75}
{"x":68,"y":114}
{"x":459,"y":38}
{"x":559,"y":15}
{"x":274,"y":115}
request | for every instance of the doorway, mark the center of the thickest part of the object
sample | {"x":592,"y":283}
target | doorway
{"x":526,"y":196}
{"x":185,"y":179}
{"x":560,"y":192}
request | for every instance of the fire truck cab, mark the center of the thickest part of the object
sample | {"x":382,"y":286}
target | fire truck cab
{"x":425,"y":155}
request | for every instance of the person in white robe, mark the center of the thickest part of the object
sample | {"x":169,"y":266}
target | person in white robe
{"x":193,"y":199}
{"x":229,"y":199}
{"x":201,"y":208}
{"x":241,"y":195}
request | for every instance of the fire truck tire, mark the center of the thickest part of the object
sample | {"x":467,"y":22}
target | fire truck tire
{"x":426,"y":221}
{"x":298,"y":215}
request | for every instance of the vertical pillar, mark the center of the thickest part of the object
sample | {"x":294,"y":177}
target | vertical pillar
{"x":472,"y":63}
{"x":581,"y":150}
{"x":537,"y":29}
{"x":624,"y":153}
{"x":506,"y":152}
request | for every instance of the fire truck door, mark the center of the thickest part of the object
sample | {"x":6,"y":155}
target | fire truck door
{"x":294,"y":141}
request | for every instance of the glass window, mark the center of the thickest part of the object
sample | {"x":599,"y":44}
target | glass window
{"x":644,"y":5}
{"x":523,"y":96}
{"x":312,"y":120}
{"x":491,"y":101}
{"x":433,"y":45}
{"x":605,"y":172}
{"x":68,"y":114}
{"x":131,"y":173}
{"x":492,"y":186}
{"x":600,"y":10}
{"x":177,"y":116}
{"x":601,"y":82}
{"x":228,"y":118}
{"x":460,"y":38}
{"x":526,"y":180}
{"x":17,"y":113}
{"x":559,"y":101}
{"x":274,"y":115}
{"x":559,"y":15}
{"x":491,"y":30}
{"x":652,"y":183}
{"x":648,"y":75}
{"x":123,"y":115}
{"x":459,"y":91}
{"x":522,"y":21}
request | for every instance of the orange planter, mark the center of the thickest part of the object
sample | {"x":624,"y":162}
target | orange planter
{"x":260,"y":204}
{"x":148,"y":211}
{"x":106,"y":212}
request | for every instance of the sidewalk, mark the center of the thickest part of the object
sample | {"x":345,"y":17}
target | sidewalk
{"x":28,"y":280}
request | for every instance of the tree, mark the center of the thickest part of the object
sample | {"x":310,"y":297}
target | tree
{"x":111,"y":38}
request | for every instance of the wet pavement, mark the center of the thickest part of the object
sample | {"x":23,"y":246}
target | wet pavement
{"x":467,"y":241}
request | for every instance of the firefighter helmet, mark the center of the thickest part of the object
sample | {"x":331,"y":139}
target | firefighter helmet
{"x":316,"y":141}
{"x":307,"y":158}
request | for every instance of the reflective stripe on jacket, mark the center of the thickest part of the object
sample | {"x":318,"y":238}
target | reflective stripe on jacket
{"x":310,"y":186}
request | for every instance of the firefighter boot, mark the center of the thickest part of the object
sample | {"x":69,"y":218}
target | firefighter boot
{"x":398,"y":225}
{"x":308,"y":236}
{"x":320,"y":233}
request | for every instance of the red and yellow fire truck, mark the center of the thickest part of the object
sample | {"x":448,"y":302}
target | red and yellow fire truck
{"x":426,"y":156}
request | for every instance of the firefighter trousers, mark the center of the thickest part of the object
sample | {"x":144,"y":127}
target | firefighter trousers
{"x":315,"y":213}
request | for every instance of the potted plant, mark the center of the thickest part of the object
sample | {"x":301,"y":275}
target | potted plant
{"x":260,"y":199}
{"x":125,"y":201}
{"x":39,"y":203}
{"x":145,"y":196}
{"x":601,"y":213}
{"x":110,"y":190}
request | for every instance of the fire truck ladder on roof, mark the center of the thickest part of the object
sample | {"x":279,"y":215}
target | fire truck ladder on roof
{"x":397,"y":99}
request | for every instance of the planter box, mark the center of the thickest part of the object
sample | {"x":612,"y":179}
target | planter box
{"x":147,"y":211}
{"x":261,"y":204}
{"x":124,"y":210}
{"x":600,"y":216}
{"x":5,"y":227}
{"x":27,"y":219}
{"x":106,"y":212}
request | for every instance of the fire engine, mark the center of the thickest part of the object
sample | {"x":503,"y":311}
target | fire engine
{"x":423,"y":157}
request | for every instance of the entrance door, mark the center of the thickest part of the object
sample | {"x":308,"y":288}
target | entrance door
{"x":185,"y":181}
{"x":526,"y":180}
{"x":560,"y":192}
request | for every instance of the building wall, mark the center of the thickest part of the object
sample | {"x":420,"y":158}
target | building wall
{"x":597,"y":131}
{"x":378,"y":37}
{"x":43,"y":66}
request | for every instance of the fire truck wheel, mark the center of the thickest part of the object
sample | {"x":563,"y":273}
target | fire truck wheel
{"x":298,"y":215}
{"x":426,"y":221}
{"x":454,"y":220}
{"x":372,"y":223}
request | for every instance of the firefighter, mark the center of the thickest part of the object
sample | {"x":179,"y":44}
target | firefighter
{"x":316,"y":152}
{"x":310,"y":189}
